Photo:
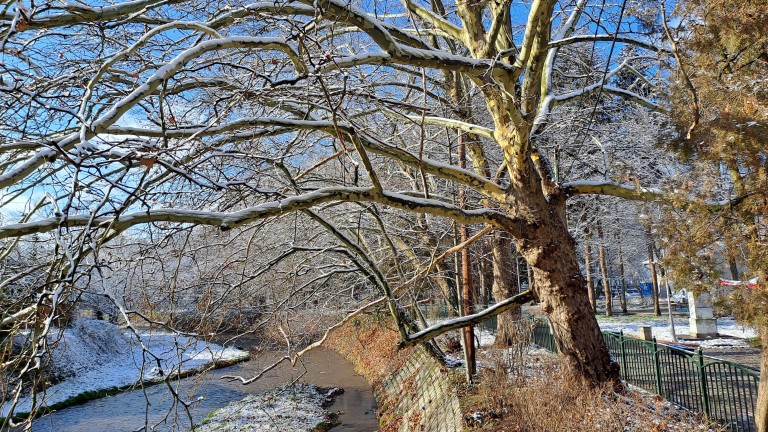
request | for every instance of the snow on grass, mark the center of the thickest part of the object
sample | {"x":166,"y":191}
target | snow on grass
{"x":486,"y":337}
{"x":736,"y":332}
{"x":298,"y":408}
{"x":95,"y":355}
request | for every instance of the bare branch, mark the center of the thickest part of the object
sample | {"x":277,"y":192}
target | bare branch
{"x":607,"y":38}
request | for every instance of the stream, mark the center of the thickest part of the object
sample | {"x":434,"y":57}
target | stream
{"x":154,"y":406}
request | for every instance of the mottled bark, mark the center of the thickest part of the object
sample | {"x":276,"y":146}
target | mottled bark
{"x":559,"y":285}
{"x":560,"y":288}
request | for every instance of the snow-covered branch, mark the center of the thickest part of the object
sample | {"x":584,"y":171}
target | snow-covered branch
{"x":639,"y":193}
{"x":602,"y":85}
{"x":457,"y":323}
{"x":12,"y":318}
{"x":434,"y":59}
{"x":609,"y":188}
{"x":449,"y":28}
{"x":444,"y":121}
{"x":229,"y":220}
{"x":78,"y":13}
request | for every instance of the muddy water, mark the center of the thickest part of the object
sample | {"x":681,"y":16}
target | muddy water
{"x":152,"y":408}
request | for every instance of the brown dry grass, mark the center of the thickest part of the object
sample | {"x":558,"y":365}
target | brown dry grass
{"x":369,"y":343}
{"x":550,"y":399}
{"x":521,"y":392}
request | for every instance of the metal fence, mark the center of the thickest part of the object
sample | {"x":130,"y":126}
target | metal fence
{"x":724,"y":391}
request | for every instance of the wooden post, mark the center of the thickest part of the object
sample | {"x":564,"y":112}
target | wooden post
{"x":466,"y":276}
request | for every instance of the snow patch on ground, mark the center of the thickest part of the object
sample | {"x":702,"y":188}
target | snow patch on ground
{"x":297,"y":408}
{"x":660,"y":327}
{"x":486,"y":337}
{"x":95,"y":355}
{"x":483,"y":339}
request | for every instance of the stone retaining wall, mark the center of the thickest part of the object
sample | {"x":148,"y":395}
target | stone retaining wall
{"x":422,"y":396}
{"x":414,"y":391}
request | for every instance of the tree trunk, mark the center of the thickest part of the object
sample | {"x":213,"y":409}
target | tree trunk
{"x":670,"y":318}
{"x":542,"y":238}
{"x":621,"y":275}
{"x":548,"y":247}
{"x":588,"y":269}
{"x":487,"y":271}
{"x":466,"y":306}
{"x":604,"y":272}
{"x":529,"y":273}
{"x":654,"y":278}
{"x":561,"y":291}
{"x":590,"y":283}
{"x":504,"y":287}
{"x":761,"y":416}
{"x":457,"y":272}
{"x":468,"y":332}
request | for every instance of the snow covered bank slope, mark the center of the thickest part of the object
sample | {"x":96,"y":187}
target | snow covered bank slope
{"x":96,"y":355}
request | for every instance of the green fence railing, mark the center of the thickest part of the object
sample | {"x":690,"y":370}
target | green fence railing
{"x":722,"y":390}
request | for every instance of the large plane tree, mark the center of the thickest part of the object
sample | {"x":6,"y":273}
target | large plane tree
{"x":167,"y":113}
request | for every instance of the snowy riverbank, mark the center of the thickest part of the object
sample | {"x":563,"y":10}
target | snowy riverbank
{"x":95,"y":356}
{"x":299,"y":408}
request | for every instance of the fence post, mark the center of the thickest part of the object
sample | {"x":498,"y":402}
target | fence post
{"x":623,"y":355}
{"x":657,"y":367}
{"x":703,"y":383}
